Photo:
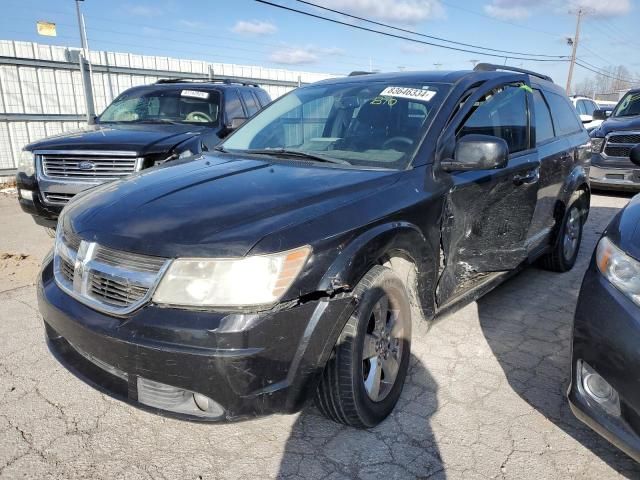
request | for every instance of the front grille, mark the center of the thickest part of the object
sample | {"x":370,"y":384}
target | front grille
{"x":620,"y":144}
{"x":114,"y":291}
{"x":612,"y":151}
{"x":89,"y":165}
{"x":58,"y":198}
{"x":106,"y":279}
{"x":624,"y":138}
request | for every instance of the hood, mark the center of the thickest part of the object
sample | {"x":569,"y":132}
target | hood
{"x":216,"y":205}
{"x":614,"y":124}
{"x":144,"y":139}
{"x":624,"y":229}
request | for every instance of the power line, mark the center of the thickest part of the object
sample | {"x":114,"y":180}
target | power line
{"x":401,"y":37}
{"x":625,"y":80}
{"x":385,"y":25}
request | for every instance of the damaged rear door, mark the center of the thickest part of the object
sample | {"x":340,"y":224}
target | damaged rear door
{"x":487,"y":213}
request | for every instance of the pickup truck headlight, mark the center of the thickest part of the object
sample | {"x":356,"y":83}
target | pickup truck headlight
{"x":27,"y":164}
{"x":619,"y":268}
{"x":596,"y":144}
{"x":243,"y":282}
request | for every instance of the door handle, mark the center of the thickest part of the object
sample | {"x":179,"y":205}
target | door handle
{"x":532,"y":176}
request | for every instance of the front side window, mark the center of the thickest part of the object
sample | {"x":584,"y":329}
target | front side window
{"x":501,"y":113}
{"x":164,"y":106}
{"x":370,"y":124}
{"x":249,"y":101}
{"x":628,"y":106}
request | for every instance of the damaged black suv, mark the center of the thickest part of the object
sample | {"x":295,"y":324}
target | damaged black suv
{"x":293,"y":262}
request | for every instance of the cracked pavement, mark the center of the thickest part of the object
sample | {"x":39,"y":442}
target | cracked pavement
{"x":484,"y":399}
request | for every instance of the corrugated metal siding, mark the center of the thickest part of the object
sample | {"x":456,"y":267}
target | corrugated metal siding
{"x":51,"y":90}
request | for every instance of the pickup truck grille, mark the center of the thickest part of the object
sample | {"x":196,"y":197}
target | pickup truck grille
{"x":88,"y":166}
{"x":619,"y":144}
{"x":105,"y":279}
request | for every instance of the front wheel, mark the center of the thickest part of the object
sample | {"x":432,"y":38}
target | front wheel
{"x":363,"y":379}
{"x":565,"y":251}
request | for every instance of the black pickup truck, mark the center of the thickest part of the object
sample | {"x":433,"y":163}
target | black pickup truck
{"x":142,"y":127}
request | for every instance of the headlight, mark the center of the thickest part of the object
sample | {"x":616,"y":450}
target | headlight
{"x":596,"y":145}
{"x":619,"y":268}
{"x":27,"y":164}
{"x":250,"y":281}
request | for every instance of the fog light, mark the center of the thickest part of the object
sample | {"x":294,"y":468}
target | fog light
{"x":202,"y":402}
{"x":26,"y":194}
{"x":598,"y":389}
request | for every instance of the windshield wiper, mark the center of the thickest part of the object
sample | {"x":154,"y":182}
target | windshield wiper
{"x":298,"y":154}
{"x":157,"y":120}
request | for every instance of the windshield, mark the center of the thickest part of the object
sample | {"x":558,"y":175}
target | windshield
{"x":164,"y":106}
{"x":374,"y":124}
{"x":628,"y":106}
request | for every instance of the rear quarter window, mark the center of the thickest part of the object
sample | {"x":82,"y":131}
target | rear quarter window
{"x":544,"y":124}
{"x":565,"y":117}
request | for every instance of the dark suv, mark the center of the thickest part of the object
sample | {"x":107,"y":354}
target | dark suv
{"x":143,"y":126}
{"x":294,"y":261}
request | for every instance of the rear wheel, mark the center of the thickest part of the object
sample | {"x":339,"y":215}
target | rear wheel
{"x":363,"y":379}
{"x":565,"y":252}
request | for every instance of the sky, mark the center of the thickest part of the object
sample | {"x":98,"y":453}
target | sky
{"x":251,"y":33}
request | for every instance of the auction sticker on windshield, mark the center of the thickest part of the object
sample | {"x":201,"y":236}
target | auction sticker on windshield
{"x":194,"y":94}
{"x":410,"y":93}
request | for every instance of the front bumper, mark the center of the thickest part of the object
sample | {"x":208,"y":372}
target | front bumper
{"x":606,"y":336}
{"x":43,"y":214}
{"x":618,"y":178}
{"x":247,"y":363}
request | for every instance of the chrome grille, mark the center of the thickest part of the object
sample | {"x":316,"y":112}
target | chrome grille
{"x":619,"y":144}
{"x":103,"y":278}
{"x":88,"y":165}
{"x":58,"y":198}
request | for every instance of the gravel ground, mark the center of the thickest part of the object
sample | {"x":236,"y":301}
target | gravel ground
{"x":484,"y":399}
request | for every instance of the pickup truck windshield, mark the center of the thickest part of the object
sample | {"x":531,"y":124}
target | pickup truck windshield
{"x":164,"y":106}
{"x":375,"y":124}
{"x":628,"y":106}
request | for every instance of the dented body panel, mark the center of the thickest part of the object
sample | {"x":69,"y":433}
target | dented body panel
{"x":449,"y":235}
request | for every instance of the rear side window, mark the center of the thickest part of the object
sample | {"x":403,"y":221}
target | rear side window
{"x":565,"y":118}
{"x":249,"y":102}
{"x":234,"y":107}
{"x":263,"y":97}
{"x":501,"y":113}
{"x":544,"y":125}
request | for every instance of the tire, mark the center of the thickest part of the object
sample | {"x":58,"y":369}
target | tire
{"x":353,"y":390}
{"x":562,"y":259}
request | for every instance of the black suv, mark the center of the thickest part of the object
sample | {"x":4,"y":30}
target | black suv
{"x":294,"y":261}
{"x":143,"y":126}
{"x":612,"y":142}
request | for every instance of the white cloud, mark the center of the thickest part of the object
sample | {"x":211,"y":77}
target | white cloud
{"x":414,"y":48}
{"x":191,"y":24}
{"x":144,"y":10}
{"x":254,"y":27}
{"x":402,"y":11}
{"x":609,"y":8}
{"x":294,"y":56}
{"x":507,"y":13}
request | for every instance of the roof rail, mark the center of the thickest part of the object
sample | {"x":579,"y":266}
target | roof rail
{"x":227,"y":81}
{"x":489,"y":67}
{"x":359,"y":72}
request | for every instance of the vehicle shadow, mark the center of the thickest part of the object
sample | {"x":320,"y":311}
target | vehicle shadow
{"x":402,"y":446}
{"x":527,"y":322}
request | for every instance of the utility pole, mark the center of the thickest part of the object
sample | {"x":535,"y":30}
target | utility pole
{"x":85,"y":66}
{"x":576,"y":39}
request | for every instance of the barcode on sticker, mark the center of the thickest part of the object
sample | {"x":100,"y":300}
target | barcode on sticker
{"x":194,"y":94}
{"x":410,"y":93}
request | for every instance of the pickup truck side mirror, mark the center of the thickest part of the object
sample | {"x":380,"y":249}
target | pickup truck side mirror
{"x":235,"y":123}
{"x":478,"y":152}
{"x":586,"y":118}
{"x":635,"y":155}
{"x":599,"y":114}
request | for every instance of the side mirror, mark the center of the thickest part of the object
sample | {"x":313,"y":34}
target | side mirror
{"x":600,"y":115}
{"x":635,"y":155}
{"x":478,"y":152}
{"x":235,"y":123}
{"x":93,"y":120}
{"x":586,"y":118}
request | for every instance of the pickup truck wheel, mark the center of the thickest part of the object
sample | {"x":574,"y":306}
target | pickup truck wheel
{"x":364,"y":376}
{"x":565,"y":251}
